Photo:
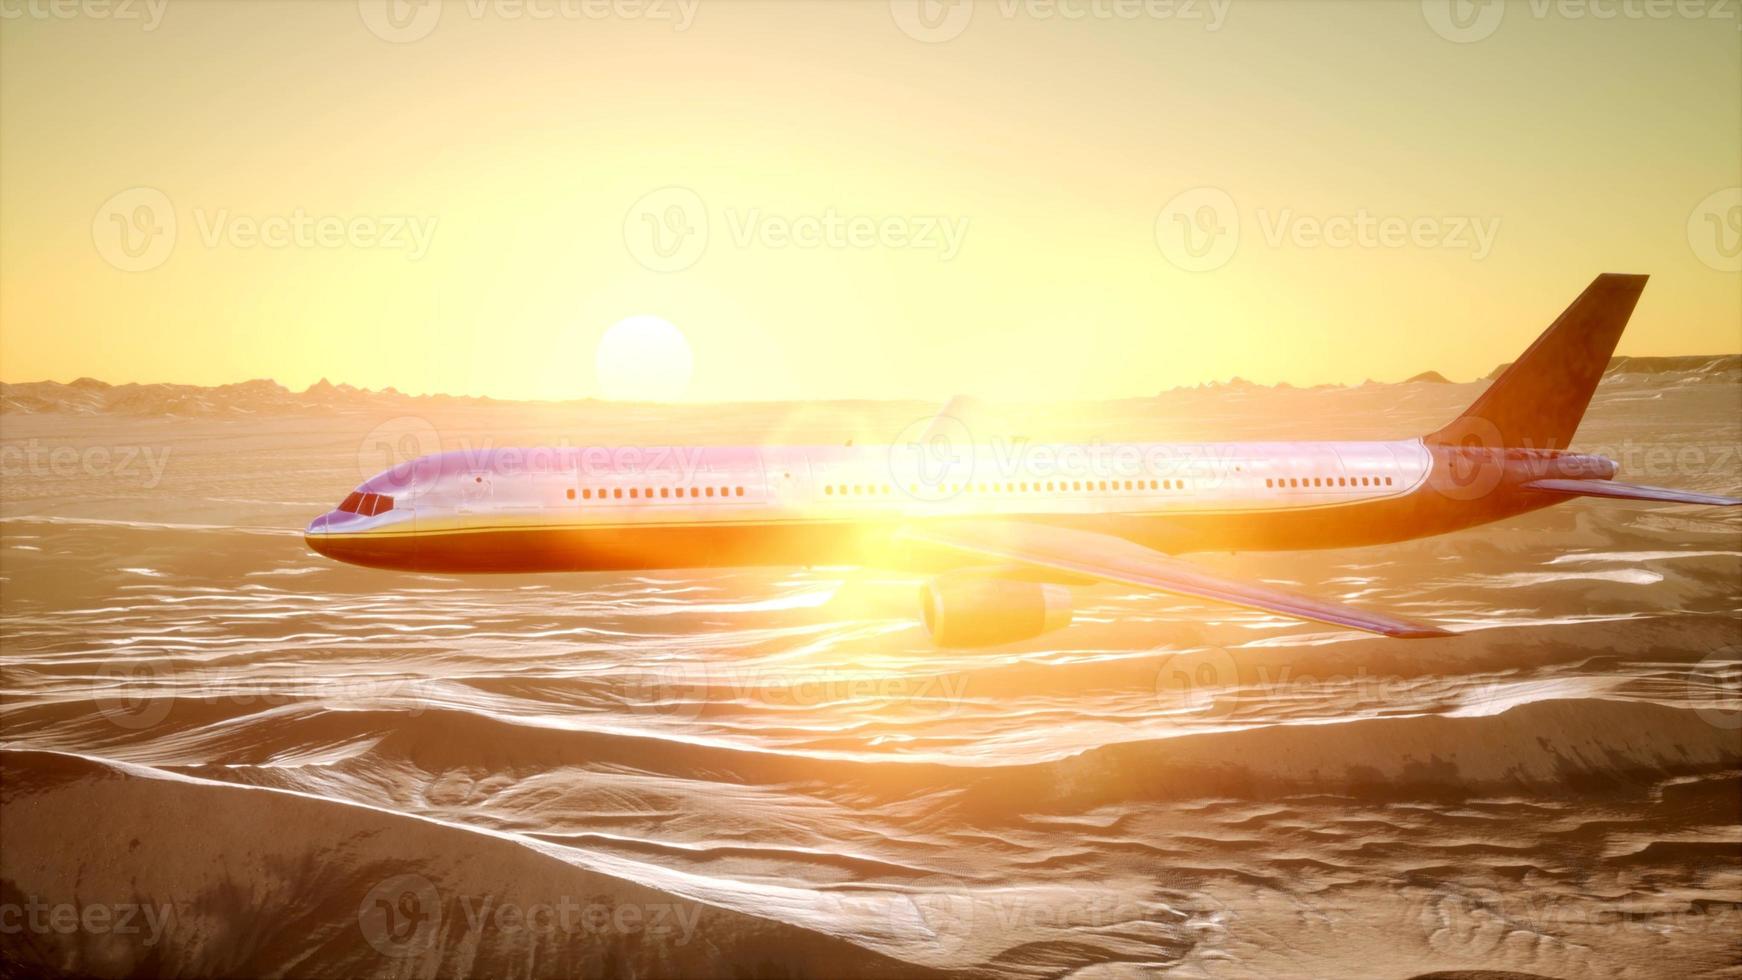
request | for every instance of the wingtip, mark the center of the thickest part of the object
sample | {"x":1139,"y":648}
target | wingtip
{"x":1421,"y":633}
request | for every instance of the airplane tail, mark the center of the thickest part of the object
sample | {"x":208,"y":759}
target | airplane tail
{"x":1537,"y":402}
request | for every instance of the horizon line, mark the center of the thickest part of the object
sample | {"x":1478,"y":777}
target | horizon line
{"x":395,"y":390}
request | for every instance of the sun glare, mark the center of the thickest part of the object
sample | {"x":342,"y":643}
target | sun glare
{"x":643,"y":358}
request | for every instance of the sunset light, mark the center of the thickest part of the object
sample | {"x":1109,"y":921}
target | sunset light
{"x":871,"y":489}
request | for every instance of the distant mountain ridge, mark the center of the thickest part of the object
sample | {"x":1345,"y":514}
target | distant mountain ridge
{"x":89,"y":396}
{"x":1694,"y":364}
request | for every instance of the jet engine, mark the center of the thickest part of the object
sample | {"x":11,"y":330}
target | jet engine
{"x":980,"y":611}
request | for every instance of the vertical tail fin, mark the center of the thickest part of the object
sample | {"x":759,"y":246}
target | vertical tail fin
{"x":1538,"y":400}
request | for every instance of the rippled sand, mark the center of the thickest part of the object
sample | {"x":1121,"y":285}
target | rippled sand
{"x":312,"y":769}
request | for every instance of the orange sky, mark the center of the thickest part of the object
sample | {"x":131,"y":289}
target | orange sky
{"x":1023,"y":198}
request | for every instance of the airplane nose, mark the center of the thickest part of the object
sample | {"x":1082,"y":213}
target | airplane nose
{"x":315,"y":534}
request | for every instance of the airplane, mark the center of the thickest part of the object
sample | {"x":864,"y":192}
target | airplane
{"x":1005,"y":535}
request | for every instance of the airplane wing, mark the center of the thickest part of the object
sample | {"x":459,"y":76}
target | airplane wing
{"x":1111,"y":559}
{"x":1628,"y":491}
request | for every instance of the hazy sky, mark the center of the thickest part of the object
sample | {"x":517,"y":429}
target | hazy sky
{"x":1079,"y":198}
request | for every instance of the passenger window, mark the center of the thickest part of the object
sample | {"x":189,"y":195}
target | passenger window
{"x":571,"y":493}
{"x":1388,"y":481}
{"x":1269,"y":482}
{"x":634,"y":492}
{"x":710,"y":491}
{"x":618,"y":493}
{"x":740,"y":491}
{"x":665,"y":491}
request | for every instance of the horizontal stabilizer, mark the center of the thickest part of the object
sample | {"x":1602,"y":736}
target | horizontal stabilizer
{"x":1628,"y":491}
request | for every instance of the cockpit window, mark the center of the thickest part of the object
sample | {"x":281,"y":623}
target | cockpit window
{"x":367,"y":504}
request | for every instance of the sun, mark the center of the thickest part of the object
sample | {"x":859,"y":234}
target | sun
{"x":643,"y":358}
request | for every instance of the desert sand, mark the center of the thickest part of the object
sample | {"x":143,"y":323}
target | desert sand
{"x":273,"y":764}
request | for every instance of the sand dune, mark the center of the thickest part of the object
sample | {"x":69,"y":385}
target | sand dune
{"x":217,"y":897}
